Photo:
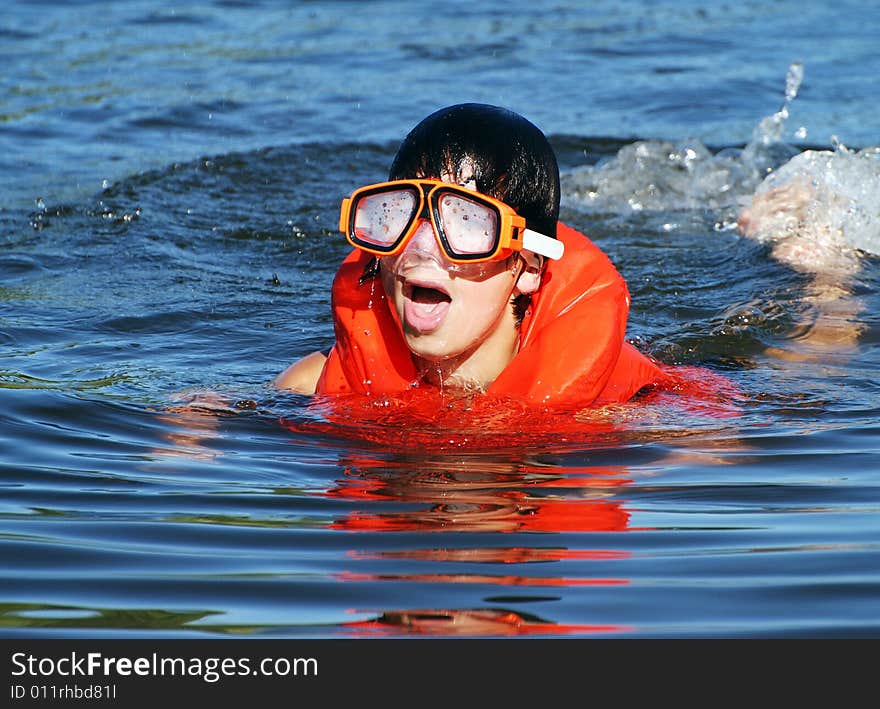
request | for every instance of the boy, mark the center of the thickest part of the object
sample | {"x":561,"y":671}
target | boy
{"x":463,"y":280}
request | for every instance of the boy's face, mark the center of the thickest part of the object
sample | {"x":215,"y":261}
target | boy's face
{"x":446,"y":309}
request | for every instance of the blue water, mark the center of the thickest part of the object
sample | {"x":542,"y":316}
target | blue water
{"x":169,"y":184}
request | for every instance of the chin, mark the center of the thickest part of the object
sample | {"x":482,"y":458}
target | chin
{"x":430,"y":351}
{"x":434,"y":347}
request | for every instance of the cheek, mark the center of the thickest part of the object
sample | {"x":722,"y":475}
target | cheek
{"x":487,"y":298}
{"x":386,"y":276}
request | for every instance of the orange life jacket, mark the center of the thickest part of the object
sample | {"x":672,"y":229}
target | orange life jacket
{"x":572,"y":347}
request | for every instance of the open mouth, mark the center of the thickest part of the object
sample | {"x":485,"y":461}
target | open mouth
{"x":424,"y":306}
{"x":427,"y":295}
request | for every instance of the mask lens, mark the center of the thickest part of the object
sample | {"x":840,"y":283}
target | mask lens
{"x":380,"y":219}
{"x":470,"y":227}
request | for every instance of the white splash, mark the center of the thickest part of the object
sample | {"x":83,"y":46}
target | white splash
{"x":818,"y":208}
{"x":833,"y":198}
{"x":657,"y":175}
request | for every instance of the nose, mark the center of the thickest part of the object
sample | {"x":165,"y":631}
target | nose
{"x":424,"y":242}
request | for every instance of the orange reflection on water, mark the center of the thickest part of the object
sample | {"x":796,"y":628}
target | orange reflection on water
{"x":518,"y":515}
{"x":497,"y":555}
{"x":482,"y":499}
{"x":483,"y":494}
{"x":500,"y":580}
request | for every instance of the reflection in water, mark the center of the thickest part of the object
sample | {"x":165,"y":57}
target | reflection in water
{"x":436,"y":494}
{"x":494,"y":622}
{"x":490,"y":498}
{"x":504,"y":555}
{"x":33,"y":615}
{"x":483,"y":579}
{"x":468,"y":470}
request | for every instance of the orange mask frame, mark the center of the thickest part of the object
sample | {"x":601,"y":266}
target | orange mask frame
{"x":512,"y":234}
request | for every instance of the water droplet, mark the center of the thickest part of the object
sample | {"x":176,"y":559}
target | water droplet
{"x":838,"y":145}
{"x":793,"y":80}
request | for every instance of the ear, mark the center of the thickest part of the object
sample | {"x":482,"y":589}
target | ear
{"x":530,"y":277}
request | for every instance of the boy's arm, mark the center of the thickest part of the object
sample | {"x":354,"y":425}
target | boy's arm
{"x":302,"y":376}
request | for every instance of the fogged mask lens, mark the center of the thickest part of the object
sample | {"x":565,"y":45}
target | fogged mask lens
{"x":470,"y":227}
{"x":381,"y":219}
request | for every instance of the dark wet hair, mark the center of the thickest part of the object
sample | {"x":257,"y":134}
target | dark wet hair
{"x":512,"y":159}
